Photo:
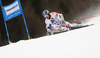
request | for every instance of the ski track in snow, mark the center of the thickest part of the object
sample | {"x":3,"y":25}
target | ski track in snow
{"x":78,"y":43}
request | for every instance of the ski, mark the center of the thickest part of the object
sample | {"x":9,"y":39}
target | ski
{"x":73,"y":28}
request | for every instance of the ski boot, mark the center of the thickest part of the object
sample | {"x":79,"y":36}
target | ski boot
{"x":64,"y":28}
{"x":79,"y":25}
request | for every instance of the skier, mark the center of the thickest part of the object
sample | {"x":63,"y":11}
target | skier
{"x":55,"y":22}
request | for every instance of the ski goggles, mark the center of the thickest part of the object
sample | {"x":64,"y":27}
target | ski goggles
{"x":46,"y":16}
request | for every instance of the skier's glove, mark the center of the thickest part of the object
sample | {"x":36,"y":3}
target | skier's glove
{"x":49,"y":33}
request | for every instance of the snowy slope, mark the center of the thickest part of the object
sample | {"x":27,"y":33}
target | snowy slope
{"x":79,"y":43}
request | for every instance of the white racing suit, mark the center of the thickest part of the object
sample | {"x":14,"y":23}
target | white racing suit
{"x":57,"y":23}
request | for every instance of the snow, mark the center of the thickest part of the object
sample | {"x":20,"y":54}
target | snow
{"x":79,"y":43}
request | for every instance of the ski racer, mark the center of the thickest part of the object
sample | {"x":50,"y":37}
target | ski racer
{"x":55,"y":22}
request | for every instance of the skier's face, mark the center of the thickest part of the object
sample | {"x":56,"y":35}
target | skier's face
{"x":46,"y":16}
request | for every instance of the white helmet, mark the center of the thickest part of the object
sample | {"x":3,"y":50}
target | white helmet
{"x":45,"y":12}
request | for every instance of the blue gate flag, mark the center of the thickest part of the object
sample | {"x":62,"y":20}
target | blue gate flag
{"x":12,"y":10}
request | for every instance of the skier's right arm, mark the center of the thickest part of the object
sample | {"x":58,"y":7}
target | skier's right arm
{"x":48,"y":25}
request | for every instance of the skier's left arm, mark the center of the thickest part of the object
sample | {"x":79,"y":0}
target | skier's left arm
{"x":61,"y":19}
